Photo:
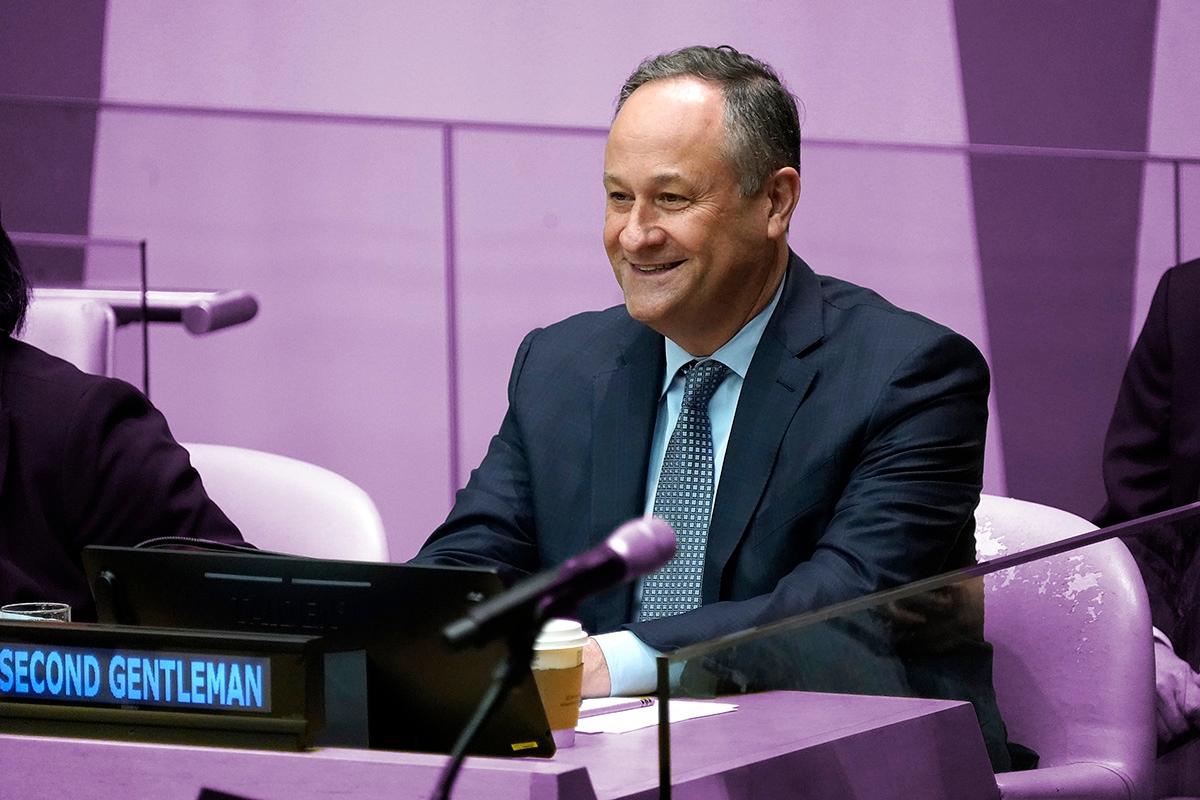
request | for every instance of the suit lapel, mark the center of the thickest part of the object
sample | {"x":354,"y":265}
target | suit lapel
{"x":776,"y":383}
{"x":624,"y":409}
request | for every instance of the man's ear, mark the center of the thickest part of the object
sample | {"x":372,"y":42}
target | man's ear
{"x":782,"y":189}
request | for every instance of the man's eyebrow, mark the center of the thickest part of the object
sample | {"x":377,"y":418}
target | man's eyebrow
{"x":655,"y":180}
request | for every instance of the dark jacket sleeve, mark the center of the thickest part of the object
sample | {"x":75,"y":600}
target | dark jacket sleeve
{"x":491,"y":523}
{"x":1149,"y":465}
{"x":1136,"y":462}
{"x":89,"y":461}
{"x":126,"y":479}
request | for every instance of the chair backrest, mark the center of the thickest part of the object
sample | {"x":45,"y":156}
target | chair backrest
{"x":76,"y":330}
{"x":1074,"y":665}
{"x":291,"y":506}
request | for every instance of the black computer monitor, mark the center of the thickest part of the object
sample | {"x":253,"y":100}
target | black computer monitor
{"x":390,"y":682}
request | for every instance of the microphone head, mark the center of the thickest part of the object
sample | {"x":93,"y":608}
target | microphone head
{"x":643,"y":544}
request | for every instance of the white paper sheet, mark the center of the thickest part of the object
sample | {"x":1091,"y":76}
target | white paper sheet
{"x":634,"y":719}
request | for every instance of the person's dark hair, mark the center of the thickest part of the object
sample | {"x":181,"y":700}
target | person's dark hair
{"x":14,"y":288}
{"x":762,"y":123}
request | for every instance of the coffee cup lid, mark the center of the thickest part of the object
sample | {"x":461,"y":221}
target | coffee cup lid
{"x":561,"y":633}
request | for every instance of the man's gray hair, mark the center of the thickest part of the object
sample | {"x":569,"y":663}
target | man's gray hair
{"x":762,"y":123}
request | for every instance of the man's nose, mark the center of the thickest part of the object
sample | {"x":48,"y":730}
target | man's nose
{"x":641,"y":229}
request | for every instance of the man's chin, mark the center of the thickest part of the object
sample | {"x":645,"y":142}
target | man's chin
{"x":652,"y":315}
{"x":642,"y":311}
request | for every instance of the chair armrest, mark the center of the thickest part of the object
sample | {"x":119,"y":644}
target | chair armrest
{"x":1085,"y":781}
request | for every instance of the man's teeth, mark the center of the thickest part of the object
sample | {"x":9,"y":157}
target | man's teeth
{"x":657,"y":267}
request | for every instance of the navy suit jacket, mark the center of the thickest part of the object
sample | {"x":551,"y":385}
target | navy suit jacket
{"x":84,"y":460}
{"x":1152,"y":454}
{"x":854,"y":462}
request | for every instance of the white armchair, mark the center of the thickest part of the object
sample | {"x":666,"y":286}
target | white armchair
{"x":291,"y":506}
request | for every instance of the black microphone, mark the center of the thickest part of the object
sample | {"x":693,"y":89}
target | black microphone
{"x":636,"y":548}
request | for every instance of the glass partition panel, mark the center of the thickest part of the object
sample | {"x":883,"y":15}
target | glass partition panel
{"x":64,"y":261}
{"x":1053,"y":623}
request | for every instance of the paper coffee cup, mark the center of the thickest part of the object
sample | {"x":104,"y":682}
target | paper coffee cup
{"x":558,"y":672}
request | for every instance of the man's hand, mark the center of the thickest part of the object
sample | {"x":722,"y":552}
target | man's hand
{"x":1178,"y":689}
{"x":596,"y":682}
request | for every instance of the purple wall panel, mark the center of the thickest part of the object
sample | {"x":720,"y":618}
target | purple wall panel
{"x":1172,"y":131}
{"x":1156,"y":241}
{"x":1190,"y":202}
{"x":901,"y":223}
{"x":50,"y":48}
{"x":337,"y":229}
{"x":868,"y":70}
{"x":45,"y":183}
{"x":1042,"y":72}
{"x":1157,"y":237}
{"x":1173,"y":127}
{"x":530,"y":252}
{"x":1057,"y":238}
{"x":1058,"y":261}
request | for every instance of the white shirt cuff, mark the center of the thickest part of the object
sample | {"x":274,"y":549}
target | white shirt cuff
{"x":631,"y":667}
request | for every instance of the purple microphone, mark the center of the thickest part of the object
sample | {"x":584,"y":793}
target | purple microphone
{"x":636,"y":548}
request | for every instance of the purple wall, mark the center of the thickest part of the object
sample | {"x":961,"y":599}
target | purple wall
{"x":49,"y":49}
{"x":1057,"y":236}
{"x":301,"y":152}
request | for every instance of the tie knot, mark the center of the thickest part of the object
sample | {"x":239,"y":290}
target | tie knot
{"x":701,"y":379}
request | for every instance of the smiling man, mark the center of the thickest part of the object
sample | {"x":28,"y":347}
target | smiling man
{"x":808,"y":441}
{"x":696,"y":257}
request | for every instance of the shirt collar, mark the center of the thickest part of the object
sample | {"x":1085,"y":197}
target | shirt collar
{"x":735,"y":354}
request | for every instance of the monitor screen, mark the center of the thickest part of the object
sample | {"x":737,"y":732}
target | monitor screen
{"x":390,"y":683}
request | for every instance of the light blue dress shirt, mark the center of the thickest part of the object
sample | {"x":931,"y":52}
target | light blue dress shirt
{"x":631,"y":665}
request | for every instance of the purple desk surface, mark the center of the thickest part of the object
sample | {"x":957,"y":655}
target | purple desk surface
{"x":779,"y":745}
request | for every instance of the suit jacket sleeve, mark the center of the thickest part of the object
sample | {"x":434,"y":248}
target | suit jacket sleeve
{"x":85,"y":460}
{"x":1136,"y":448}
{"x":491,"y":523}
{"x":1138,"y":461}
{"x":124,"y":477}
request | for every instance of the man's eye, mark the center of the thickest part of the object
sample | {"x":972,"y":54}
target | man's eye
{"x":618,"y":197}
{"x":673,"y":199}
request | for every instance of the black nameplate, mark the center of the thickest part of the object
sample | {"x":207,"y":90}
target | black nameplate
{"x":162,"y":685}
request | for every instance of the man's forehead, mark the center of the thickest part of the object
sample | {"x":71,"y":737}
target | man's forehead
{"x":661,"y":178}
{"x":681,"y":114}
{"x":682,"y":95}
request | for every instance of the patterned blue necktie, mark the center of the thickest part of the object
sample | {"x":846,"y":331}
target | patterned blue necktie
{"x":684,"y":497}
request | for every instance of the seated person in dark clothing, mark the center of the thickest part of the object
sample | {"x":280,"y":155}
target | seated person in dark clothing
{"x":83,"y":460}
{"x":1152,"y":464}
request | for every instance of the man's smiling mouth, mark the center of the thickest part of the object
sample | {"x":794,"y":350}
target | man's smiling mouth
{"x":652,"y":268}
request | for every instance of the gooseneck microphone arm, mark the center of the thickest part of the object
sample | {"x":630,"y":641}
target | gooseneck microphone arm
{"x":542,"y":592}
{"x":636,"y":548}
